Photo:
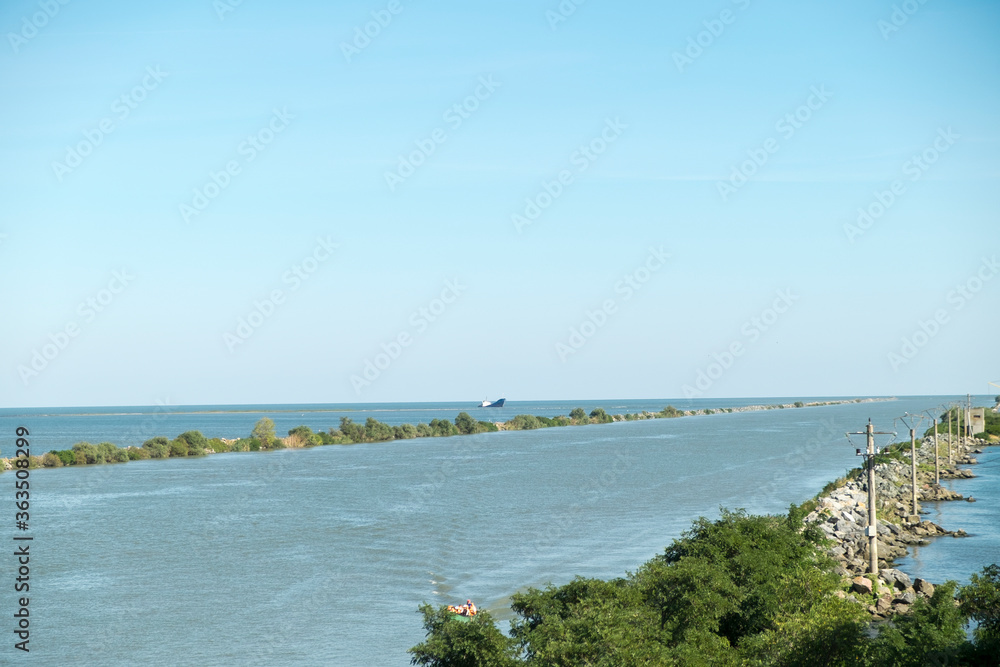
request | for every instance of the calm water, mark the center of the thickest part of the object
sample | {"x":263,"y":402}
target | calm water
{"x":321,"y":556}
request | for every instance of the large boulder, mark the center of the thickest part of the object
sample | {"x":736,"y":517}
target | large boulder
{"x":895,"y":579}
{"x":923,"y":587}
{"x":861,"y":585}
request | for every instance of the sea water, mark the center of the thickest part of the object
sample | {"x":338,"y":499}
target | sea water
{"x":322,"y":556}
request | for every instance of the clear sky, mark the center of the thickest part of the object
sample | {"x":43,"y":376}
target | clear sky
{"x":255,"y":202}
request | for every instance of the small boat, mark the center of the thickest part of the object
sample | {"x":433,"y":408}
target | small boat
{"x":463,"y":613}
{"x":492,"y":404}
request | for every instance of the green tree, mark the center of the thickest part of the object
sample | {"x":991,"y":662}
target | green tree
{"x":353,"y":432}
{"x":442,"y":428}
{"x":466,"y":424}
{"x":87,"y":451}
{"x":578,"y":415}
{"x":107,"y":453}
{"x":599,"y":416}
{"x":451,"y":642}
{"x":51,"y":460}
{"x":67,"y":456}
{"x":524,"y":423}
{"x":930,"y":634}
{"x":263,"y":431}
{"x":777,"y":569}
{"x":302,"y":436}
{"x":980,"y":601}
{"x":377,"y":431}
{"x":587,"y":622}
{"x":196,"y":442}
{"x":405,"y":431}
{"x":158,"y":447}
{"x":831,"y":632}
{"x":178,"y":448}
{"x":137,"y":454}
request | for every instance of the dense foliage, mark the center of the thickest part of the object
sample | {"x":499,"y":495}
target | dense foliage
{"x":741,"y":590}
{"x":263,"y":437}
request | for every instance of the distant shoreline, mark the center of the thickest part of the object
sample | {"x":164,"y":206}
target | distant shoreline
{"x":193,"y":443}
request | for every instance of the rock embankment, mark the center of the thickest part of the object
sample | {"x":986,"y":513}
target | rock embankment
{"x":842,"y":515}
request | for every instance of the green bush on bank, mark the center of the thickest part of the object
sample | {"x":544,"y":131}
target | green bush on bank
{"x":741,"y":590}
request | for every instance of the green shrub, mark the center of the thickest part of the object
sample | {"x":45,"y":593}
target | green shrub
{"x":50,"y":460}
{"x":158,"y":447}
{"x":87,"y":451}
{"x":599,"y":416}
{"x":442,"y":428}
{"x":523,"y":423}
{"x":466,"y":424}
{"x":137,"y":454}
{"x":217,"y":446}
{"x":67,"y":456}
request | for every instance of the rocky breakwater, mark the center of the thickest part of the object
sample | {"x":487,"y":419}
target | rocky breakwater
{"x":841,"y":513}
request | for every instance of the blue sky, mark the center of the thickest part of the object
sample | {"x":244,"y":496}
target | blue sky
{"x":118,"y":116}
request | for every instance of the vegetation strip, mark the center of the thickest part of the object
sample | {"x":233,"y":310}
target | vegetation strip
{"x":263,"y":438}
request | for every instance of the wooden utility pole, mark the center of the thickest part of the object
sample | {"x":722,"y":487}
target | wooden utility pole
{"x":872,"y":519}
{"x":937,"y":466}
{"x":949,"y":437}
{"x":871,"y":530}
{"x":967,"y":430}
{"x":912,"y":424}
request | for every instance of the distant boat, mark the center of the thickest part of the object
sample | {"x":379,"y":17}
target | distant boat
{"x":492,"y":404}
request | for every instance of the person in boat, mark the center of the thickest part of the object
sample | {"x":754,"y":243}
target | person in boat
{"x":471,"y":607}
